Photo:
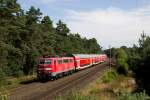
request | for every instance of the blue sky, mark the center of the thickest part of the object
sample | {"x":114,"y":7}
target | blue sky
{"x":57,"y":8}
{"x":111,"y":22}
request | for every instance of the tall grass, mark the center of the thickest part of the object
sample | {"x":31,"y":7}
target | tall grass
{"x":133,"y":96}
{"x":76,"y":95}
{"x":3,"y":94}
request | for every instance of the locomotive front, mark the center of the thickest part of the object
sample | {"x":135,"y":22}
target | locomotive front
{"x":45,"y":66}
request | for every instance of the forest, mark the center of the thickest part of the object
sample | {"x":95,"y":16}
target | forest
{"x":26,"y":35}
{"x":135,"y":59}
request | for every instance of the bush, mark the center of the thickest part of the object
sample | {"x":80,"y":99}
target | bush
{"x":123,"y":69}
{"x":2,"y":78}
{"x":109,"y":76}
{"x":122,"y":66}
{"x":13,"y":70}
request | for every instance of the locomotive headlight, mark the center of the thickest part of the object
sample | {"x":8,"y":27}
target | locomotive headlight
{"x":48,"y":68}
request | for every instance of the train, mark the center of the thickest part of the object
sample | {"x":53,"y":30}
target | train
{"x":55,"y":67}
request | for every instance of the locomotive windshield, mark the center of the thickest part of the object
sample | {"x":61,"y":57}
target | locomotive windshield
{"x":45,"y":61}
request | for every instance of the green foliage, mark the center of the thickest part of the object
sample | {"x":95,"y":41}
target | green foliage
{"x":13,"y":70}
{"x":122,"y":65}
{"x":142,"y":71}
{"x":62,"y":28}
{"x":33,"y":15}
{"x":109,"y":76}
{"x":139,"y":56}
{"x":2,"y":78}
{"x":113,"y":52}
{"x":133,"y":96}
{"x":134,"y":58}
{"x":123,"y":69}
{"x":25,"y":36}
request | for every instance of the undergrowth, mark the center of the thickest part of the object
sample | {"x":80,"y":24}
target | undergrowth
{"x":110,"y":86}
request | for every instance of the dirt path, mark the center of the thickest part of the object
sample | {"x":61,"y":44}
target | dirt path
{"x":46,"y":91}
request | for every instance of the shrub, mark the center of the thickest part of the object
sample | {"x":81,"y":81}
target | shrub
{"x":13,"y":70}
{"x":109,"y":76}
{"x":122,"y":66}
{"x":123,"y":69}
{"x":2,"y":78}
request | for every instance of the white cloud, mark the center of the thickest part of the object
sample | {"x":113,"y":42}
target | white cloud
{"x":47,"y":1}
{"x":52,"y":1}
{"x":110,"y":26}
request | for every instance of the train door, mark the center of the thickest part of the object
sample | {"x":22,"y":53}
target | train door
{"x":55,"y":66}
{"x":77,"y":64}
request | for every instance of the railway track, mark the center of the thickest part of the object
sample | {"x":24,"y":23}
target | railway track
{"x":48,"y":90}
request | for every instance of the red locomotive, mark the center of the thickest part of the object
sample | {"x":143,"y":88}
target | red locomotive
{"x":53,"y":67}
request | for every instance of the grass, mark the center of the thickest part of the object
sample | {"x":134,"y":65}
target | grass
{"x":135,"y":96}
{"x":3,"y":94}
{"x":111,"y":86}
{"x":11,"y":82}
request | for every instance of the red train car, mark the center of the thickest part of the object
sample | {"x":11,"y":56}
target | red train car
{"x":52,"y":67}
{"x":82,"y":61}
{"x":87,"y":60}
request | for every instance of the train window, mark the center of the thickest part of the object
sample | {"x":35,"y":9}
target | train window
{"x":65,"y":60}
{"x":41,"y":61}
{"x":59,"y":61}
{"x":45,"y":61}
